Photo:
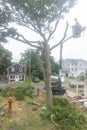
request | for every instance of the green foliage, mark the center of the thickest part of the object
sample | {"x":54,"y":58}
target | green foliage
{"x":22,"y":91}
{"x":30,"y":59}
{"x":54,"y":67}
{"x":5,"y":59}
{"x":42,"y":18}
{"x":35,"y":66}
{"x":40,"y":12}
{"x":29,"y":92}
{"x":28,"y":81}
{"x":5,"y":15}
{"x":19,"y":92}
{"x":7,"y":92}
{"x":66,"y":115}
{"x":82,"y":76}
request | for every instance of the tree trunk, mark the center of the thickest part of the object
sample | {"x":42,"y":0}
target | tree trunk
{"x":47,"y":77}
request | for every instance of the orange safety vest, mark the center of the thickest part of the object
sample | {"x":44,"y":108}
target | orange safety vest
{"x":38,"y":88}
{"x":10,"y":100}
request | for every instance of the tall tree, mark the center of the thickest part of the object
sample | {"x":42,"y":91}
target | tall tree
{"x":54,"y":67}
{"x":5,"y":59}
{"x":5,"y":18}
{"x":41,"y":17}
{"x":30,"y":59}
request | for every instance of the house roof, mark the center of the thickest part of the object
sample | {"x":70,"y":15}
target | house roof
{"x":14,"y":65}
{"x":74,"y":60}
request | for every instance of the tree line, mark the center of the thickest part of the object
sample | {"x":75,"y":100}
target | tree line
{"x":31,"y":58}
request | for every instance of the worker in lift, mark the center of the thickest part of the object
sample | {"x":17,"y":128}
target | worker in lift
{"x":76,"y":22}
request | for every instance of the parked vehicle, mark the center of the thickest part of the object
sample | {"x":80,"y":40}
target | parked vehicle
{"x":74,"y":84}
{"x":36,"y":79}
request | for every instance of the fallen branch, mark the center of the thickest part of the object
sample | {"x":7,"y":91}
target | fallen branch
{"x":55,"y":123}
{"x":35,"y":103}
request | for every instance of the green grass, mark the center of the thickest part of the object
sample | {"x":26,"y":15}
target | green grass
{"x":23,"y":117}
{"x":42,"y":82}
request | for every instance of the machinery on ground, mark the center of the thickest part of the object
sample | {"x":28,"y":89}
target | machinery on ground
{"x":56,"y":86}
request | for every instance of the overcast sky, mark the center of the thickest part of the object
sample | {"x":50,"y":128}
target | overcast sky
{"x":74,"y":48}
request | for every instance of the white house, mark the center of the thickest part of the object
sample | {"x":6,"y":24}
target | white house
{"x":73,"y":67}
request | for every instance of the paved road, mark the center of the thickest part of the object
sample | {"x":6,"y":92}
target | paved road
{"x":40,"y":85}
{"x":3,"y":84}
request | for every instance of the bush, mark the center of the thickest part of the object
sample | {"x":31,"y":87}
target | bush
{"x":7,"y":91}
{"x":29,"y":92}
{"x":66,"y":115}
{"x":20,"y":91}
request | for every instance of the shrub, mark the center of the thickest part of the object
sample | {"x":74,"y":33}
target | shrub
{"x":20,"y":91}
{"x":23,"y":90}
{"x":29,"y":92}
{"x":66,"y":115}
{"x":7,"y":91}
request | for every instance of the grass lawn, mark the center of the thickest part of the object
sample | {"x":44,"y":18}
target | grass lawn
{"x":23,"y":115}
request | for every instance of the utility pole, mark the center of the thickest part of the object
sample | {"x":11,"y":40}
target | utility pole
{"x":60,"y":68}
{"x":76,"y":33}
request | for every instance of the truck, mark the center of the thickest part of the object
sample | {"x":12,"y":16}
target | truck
{"x":56,"y":86}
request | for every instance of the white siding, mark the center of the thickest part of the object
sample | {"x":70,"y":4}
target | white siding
{"x":74,"y":67}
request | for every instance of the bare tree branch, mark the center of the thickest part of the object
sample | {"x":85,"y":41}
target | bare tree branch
{"x":63,"y":38}
{"x":51,"y":33}
{"x":21,"y":38}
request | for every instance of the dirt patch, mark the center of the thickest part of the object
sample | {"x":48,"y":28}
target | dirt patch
{"x":26,"y":116}
{"x":23,"y":113}
{"x":18,"y":112}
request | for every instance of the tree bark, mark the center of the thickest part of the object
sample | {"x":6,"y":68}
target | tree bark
{"x":47,"y":76}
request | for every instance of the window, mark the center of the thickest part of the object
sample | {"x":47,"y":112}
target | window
{"x":75,"y":69}
{"x":68,"y":69}
{"x":20,"y":69}
{"x":12,"y":77}
{"x":20,"y":77}
{"x":13,"y":69}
